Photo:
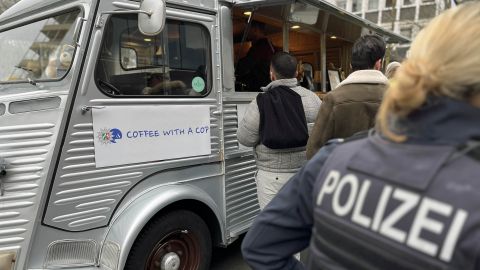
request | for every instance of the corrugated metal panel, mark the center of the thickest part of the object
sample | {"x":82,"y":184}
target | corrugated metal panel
{"x":25,"y":147}
{"x":240,"y":188}
{"x":240,"y":193}
{"x":230,"y":123}
{"x":85,"y":197}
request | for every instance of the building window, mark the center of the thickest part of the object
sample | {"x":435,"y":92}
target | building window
{"x":372,"y":4}
{"x":408,"y":2}
{"x":388,"y":16}
{"x":389,"y":3}
{"x":406,"y":31}
{"x":372,"y":16}
{"x":407,"y":13}
{"x":342,"y":4}
{"x":427,"y":11}
{"x":356,"y":5}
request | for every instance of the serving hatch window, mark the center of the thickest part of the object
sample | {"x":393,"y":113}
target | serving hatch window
{"x":175,"y":62}
{"x":42,"y":50}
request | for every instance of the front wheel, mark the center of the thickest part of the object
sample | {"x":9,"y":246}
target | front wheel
{"x":178,"y":240}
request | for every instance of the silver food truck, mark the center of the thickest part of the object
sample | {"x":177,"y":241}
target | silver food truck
{"x":118,"y":123}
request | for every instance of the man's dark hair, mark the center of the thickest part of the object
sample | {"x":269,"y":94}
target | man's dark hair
{"x":284,"y":65}
{"x":366,"y":51}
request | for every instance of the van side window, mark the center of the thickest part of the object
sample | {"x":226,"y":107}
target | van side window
{"x":173,"y":63}
{"x":39,"y":51}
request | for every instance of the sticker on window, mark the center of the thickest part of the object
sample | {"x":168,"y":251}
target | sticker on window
{"x":198,"y":84}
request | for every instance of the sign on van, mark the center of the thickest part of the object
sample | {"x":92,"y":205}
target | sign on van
{"x":132,"y":134}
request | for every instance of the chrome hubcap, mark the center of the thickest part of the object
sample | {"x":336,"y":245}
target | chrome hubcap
{"x":171,"y":261}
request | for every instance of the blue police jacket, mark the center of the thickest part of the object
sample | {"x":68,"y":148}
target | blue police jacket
{"x":359,"y":206}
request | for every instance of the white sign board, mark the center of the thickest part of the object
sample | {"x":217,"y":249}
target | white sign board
{"x":334,"y":78}
{"x":134,"y":134}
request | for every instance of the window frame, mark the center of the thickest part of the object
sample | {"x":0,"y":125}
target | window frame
{"x":81,"y":13}
{"x":209,"y":82}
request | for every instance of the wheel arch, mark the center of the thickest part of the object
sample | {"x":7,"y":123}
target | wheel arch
{"x":131,"y":219}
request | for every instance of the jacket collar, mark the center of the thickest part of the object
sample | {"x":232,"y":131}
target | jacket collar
{"x":369,"y":76}
{"x":285,"y":82}
{"x":442,"y":120}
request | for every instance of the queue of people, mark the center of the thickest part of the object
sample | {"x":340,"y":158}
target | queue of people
{"x":401,"y":193}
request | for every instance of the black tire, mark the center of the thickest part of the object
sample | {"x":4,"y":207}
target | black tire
{"x":181,"y":232}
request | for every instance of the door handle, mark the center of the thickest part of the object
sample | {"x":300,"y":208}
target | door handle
{"x":86,"y":108}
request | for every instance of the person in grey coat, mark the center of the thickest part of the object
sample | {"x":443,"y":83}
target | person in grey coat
{"x":276,"y":166}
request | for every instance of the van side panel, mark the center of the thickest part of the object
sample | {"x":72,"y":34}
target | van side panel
{"x":27,"y":139}
{"x":84,"y":197}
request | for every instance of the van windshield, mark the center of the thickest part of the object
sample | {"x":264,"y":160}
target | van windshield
{"x":42,"y":50}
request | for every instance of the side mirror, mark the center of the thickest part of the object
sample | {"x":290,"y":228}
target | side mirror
{"x":152,"y":24}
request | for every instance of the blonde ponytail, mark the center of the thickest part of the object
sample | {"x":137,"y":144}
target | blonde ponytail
{"x":444,"y":61}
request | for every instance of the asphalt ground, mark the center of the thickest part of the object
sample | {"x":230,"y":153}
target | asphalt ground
{"x":229,"y":258}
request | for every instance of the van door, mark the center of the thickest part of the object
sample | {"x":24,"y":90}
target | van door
{"x":145,"y":104}
{"x":38,"y":65}
{"x":240,"y":188}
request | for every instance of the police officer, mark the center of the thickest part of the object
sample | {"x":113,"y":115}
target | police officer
{"x":405,"y":197}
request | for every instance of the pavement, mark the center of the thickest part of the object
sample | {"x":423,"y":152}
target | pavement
{"x":229,"y":258}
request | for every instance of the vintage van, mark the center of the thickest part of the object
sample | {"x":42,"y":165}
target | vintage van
{"x":118,"y":124}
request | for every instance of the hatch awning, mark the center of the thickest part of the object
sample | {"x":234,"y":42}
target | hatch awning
{"x":341,"y":23}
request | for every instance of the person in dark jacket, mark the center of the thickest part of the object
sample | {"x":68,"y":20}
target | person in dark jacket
{"x":253,"y":70}
{"x":352,"y":106}
{"x":405,"y":196}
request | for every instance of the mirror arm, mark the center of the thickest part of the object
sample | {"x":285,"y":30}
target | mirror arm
{"x":99,"y":23}
{"x":123,"y":5}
